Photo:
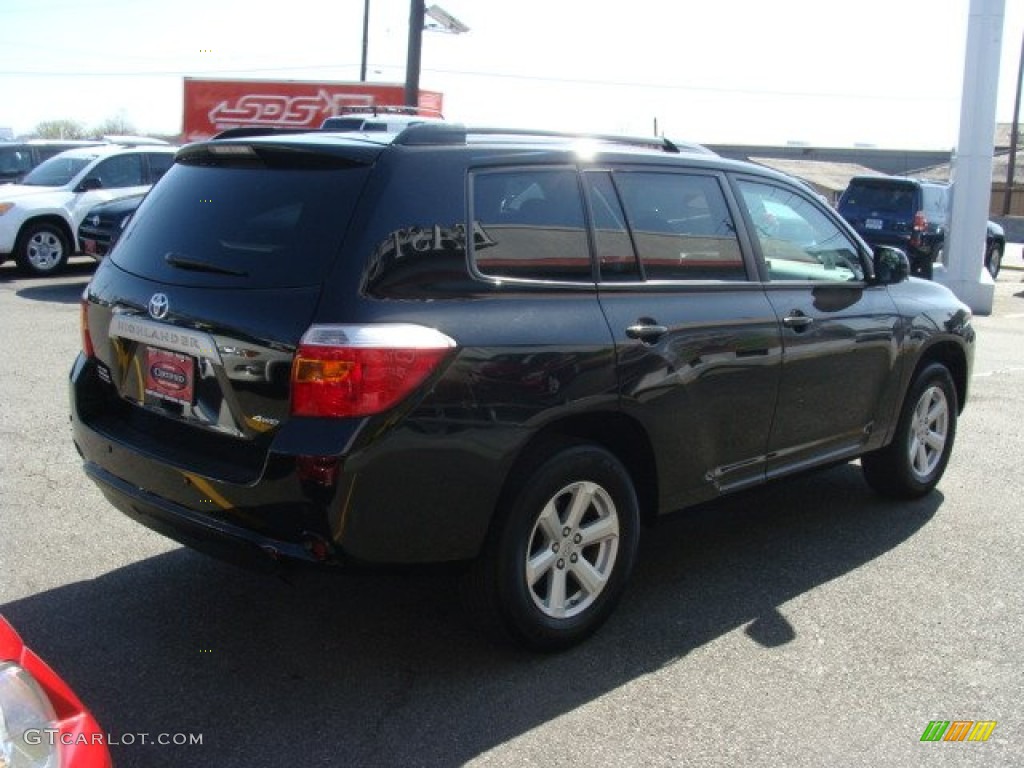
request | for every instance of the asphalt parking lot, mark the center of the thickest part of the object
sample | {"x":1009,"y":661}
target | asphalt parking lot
{"x":808,"y":623}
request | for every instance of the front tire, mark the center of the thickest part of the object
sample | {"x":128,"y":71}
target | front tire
{"x":913,"y":463}
{"x":42,"y":249}
{"x":561,"y":553}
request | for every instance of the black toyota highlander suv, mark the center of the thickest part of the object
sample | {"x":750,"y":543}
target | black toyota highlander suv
{"x":511,"y":349}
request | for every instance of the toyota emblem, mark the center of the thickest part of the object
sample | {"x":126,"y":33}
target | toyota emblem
{"x":158,"y":306}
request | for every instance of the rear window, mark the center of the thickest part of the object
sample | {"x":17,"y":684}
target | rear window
{"x":934,"y":204}
{"x":529,"y":224}
{"x":881,"y":196}
{"x":249,"y":226}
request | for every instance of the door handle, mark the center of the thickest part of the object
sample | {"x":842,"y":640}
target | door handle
{"x":797,"y":320}
{"x":648,"y":332}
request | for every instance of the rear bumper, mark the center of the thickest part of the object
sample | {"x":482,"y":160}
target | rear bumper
{"x":408,"y":494}
{"x":218,"y":538}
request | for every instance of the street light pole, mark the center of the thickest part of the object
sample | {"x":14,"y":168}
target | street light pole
{"x":412,"y":63}
{"x":366,"y":40}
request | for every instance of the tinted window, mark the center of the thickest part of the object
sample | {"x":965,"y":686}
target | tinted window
{"x":343,"y":124}
{"x":47,"y":152}
{"x":159,"y":162}
{"x":119,"y":171}
{"x":881,"y":195}
{"x":250,"y":226}
{"x":681,"y":226}
{"x":934,"y":202}
{"x":615,"y":253}
{"x":529,"y":224}
{"x":798,"y":239}
{"x":14,"y":161}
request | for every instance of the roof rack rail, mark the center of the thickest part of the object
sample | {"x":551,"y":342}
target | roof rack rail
{"x":455,"y":133}
{"x":387,"y":109}
{"x":244,"y":132}
{"x":652,"y":142}
{"x":134,"y":141}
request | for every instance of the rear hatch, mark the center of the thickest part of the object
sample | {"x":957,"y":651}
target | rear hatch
{"x":882,"y":211}
{"x":195,"y":317}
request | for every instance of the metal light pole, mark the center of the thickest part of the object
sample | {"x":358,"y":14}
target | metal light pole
{"x":412,"y":62}
{"x":366,"y":40}
{"x":442,"y":21}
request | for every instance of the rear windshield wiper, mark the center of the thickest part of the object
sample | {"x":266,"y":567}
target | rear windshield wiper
{"x":184,"y":262}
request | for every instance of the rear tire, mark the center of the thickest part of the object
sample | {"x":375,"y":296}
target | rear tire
{"x":561,"y":551}
{"x":913,"y":463}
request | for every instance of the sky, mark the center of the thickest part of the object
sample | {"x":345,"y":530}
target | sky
{"x":877,"y":72}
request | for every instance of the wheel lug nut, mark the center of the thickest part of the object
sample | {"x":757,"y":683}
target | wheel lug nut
{"x":577,"y":538}
{"x":573,"y":557}
{"x":561,"y":563}
{"x":566,"y":531}
{"x":555,"y":547}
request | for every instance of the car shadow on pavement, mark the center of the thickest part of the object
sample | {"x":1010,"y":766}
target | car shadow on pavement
{"x":56,"y":288}
{"x":63,"y":293}
{"x":382,"y":667}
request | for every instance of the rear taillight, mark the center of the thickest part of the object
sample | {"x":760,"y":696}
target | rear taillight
{"x":920,"y":225}
{"x":87,"y":346}
{"x":359,"y":370}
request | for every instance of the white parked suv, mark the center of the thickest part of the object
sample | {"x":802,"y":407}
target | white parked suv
{"x":39,"y":216}
{"x":379,"y":119}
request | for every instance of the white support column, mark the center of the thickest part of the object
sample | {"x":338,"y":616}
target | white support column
{"x":965,"y":272}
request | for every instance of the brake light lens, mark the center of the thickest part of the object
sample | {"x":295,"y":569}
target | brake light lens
{"x":344,"y":371}
{"x":87,"y":346}
{"x":919,"y":227}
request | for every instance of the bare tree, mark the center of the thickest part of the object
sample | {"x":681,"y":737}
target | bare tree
{"x":60,"y":129}
{"x":119,"y":125}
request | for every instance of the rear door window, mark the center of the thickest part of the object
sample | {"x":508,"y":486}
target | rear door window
{"x":119,"y":171}
{"x":529,"y":224}
{"x":679,"y":223}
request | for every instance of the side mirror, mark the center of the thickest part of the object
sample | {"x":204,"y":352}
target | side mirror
{"x":89,"y":183}
{"x":891,"y":265}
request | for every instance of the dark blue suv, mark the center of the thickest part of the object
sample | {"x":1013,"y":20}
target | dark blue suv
{"x":910,"y":214}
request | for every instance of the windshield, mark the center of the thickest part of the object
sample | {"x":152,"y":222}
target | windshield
{"x":56,"y":172}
